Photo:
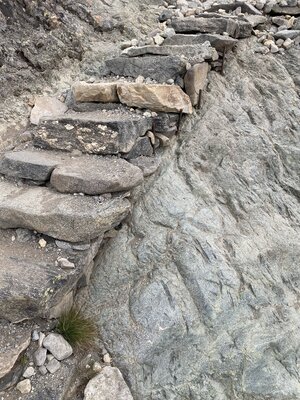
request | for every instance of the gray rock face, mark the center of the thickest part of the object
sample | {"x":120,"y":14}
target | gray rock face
{"x":27,"y":164}
{"x":107,"y":385}
{"x":159,"y":68}
{"x":57,"y":346}
{"x":213,"y":23}
{"x":288,"y":33}
{"x":64,"y":217}
{"x":96,"y":176}
{"x":219,"y":42}
{"x":207,"y":306}
{"x":95,"y":132}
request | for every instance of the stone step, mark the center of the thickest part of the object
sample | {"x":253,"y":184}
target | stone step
{"x":194,"y":53}
{"x":28,"y":164}
{"x":246,"y":8}
{"x":219,"y":42}
{"x":99,"y":132}
{"x":93,"y":175}
{"x":213,"y":23}
{"x":96,"y":175}
{"x":65,"y":217}
{"x":31,"y":283}
{"x":166,"y":98}
{"x":161,"y":69}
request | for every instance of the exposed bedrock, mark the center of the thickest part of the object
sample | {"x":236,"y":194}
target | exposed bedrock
{"x":198,"y":297}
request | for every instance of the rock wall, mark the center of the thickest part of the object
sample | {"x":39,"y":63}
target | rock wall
{"x":197,"y":297}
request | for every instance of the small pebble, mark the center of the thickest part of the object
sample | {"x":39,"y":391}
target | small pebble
{"x":29,"y":372}
{"x":42,"y":243}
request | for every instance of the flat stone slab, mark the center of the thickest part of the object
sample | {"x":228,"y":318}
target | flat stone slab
{"x":166,"y":98}
{"x":159,"y":68}
{"x":245,"y":8}
{"x":235,"y":27}
{"x":96,"y":176}
{"x":219,"y":42}
{"x":27,"y":164}
{"x":286,"y":10}
{"x":97,"y":132}
{"x":287,"y":33}
{"x":46,"y":106}
{"x":103,"y":92}
{"x":194,"y":53}
{"x":31,"y":283}
{"x":64,"y":217}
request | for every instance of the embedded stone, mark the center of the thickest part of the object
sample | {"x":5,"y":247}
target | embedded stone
{"x":103,"y":92}
{"x":96,"y":176}
{"x":194,"y":81}
{"x":219,"y":42}
{"x":155,"y":97}
{"x":46,"y":106}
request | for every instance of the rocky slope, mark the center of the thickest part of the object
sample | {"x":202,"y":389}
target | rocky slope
{"x":196,"y":295}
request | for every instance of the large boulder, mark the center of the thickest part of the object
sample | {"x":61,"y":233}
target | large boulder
{"x":164,"y":98}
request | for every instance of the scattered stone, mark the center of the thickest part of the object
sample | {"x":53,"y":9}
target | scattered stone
{"x":102,"y":92}
{"x":35,"y":336}
{"x":65,"y":263}
{"x":46,"y":106}
{"x":158,"y":39}
{"x":57,"y":346}
{"x":274,"y":48}
{"x":287,"y":43}
{"x":155,"y":97}
{"x":43,"y":370}
{"x":194,"y":81}
{"x":158,"y":68}
{"x":287,"y":34}
{"x":107,"y":358}
{"x":29,"y":372}
{"x":109,"y":385}
{"x":24,"y":386}
{"x":42,"y":243}
{"x":39,"y":356}
{"x":97,"y":367}
{"x":96,"y":176}
{"x":53,"y":366}
{"x":41,"y":339}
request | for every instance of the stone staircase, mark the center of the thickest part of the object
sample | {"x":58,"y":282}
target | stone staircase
{"x":69,"y":185}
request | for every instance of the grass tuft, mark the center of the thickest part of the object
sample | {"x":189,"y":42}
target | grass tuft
{"x":77,"y":329}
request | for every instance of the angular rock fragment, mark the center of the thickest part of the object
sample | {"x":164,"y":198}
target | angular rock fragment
{"x":194,"y":81}
{"x":57,"y":346}
{"x":219,"y":42}
{"x":95,"y":132}
{"x":142,"y":147}
{"x":39,"y":356}
{"x":65,"y":217}
{"x":53,"y":366}
{"x":96,"y":176}
{"x":109,"y":385}
{"x":235,"y":27}
{"x":161,"y":69}
{"x":46,"y":106}
{"x":26,"y":164}
{"x":155,"y":97}
{"x":103,"y":92}
{"x":24,"y":386}
{"x":287,"y":34}
{"x":147,"y":164}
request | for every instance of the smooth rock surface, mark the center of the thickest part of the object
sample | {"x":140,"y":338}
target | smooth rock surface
{"x":96,"y":176}
{"x":103,"y":92}
{"x":46,"y":106}
{"x":107,"y":385}
{"x":194,"y":81}
{"x":155,"y":97}
{"x":53,"y":366}
{"x":27,"y":164}
{"x":161,"y":69}
{"x":64,"y":217}
{"x":24,"y":386}
{"x":39,"y":356}
{"x":207,"y":307}
{"x":57,"y":346}
{"x":95,"y":132}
